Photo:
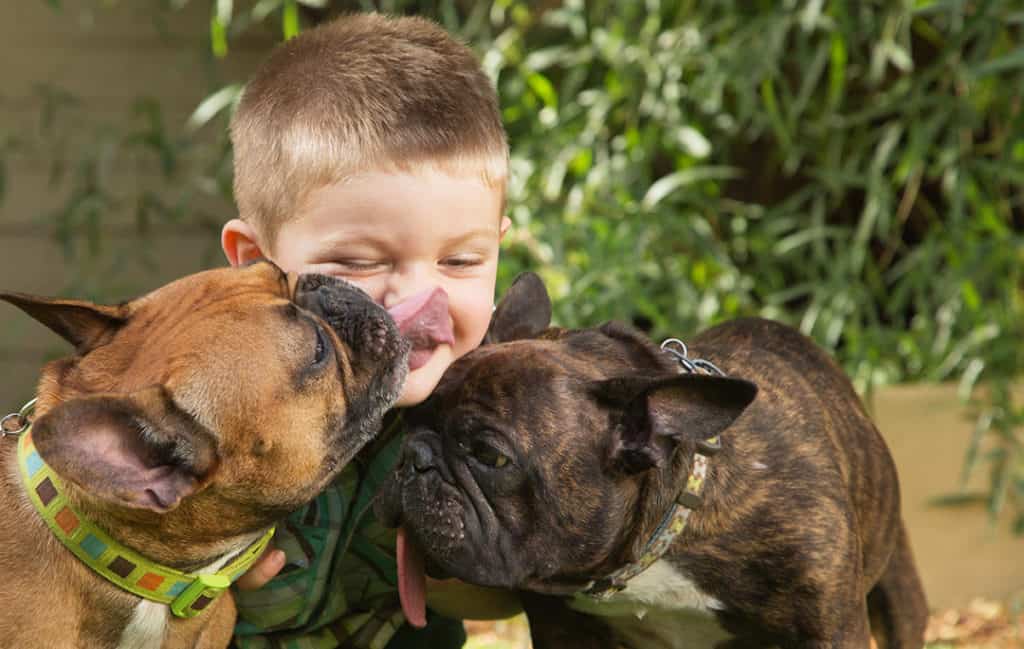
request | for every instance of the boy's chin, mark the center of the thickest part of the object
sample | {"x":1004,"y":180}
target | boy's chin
{"x":421,"y":381}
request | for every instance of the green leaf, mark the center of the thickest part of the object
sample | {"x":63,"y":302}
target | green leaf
{"x":543,"y":88}
{"x":970,"y":294}
{"x":218,"y":38}
{"x":1011,"y":61}
{"x":290,"y":19}
{"x":676,"y":180}
{"x":546,"y":57}
{"x":693,"y":142}
{"x":209,"y":107}
{"x":771,"y":105}
{"x":837,"y":70}
{"x":966,"y":499}
{"x":224,"y":10}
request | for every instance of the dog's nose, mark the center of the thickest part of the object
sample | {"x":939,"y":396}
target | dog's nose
{"x":418,"y":455}
{"x":361,"y":324}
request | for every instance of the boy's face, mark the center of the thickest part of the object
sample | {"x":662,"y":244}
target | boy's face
{"x":399,"y":236}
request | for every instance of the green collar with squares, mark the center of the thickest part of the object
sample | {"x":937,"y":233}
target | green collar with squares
{"x":187,"y":594}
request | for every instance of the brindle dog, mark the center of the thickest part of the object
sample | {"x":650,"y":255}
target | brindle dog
{"x":548,"y":461}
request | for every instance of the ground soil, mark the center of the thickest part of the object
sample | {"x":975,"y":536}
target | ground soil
{"x":982,"y":624}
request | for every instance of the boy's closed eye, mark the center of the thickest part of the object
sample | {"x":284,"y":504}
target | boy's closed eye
{"x":359,"y":265}
{"x":362,"y":265}
{"x":466,"y":261}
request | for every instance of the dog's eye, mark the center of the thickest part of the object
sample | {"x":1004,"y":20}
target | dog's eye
{"x":487,"y":455}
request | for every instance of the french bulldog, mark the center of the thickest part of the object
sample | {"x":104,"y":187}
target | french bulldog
{"x":188,"y":421}
{"x":733,"y":495}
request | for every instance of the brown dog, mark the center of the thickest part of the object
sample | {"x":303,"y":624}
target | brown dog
{"x":644,"y":502}
{"x":188,"y":422}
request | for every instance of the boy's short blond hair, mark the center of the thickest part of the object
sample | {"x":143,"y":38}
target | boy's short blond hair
{"x":365,"y":92}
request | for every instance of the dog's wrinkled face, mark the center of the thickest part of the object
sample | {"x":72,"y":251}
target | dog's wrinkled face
{"x":229,"y":395}
{"x":490,"y":457}
{"x":524,"y":468}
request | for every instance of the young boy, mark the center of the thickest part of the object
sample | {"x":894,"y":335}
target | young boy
{"x":370,"y":148}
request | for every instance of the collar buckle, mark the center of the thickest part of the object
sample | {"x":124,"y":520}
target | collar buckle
{"x":199,"y":594}
{"x":709,"y":447}
{"x":17,"y":423}
{"x":604,"y":588}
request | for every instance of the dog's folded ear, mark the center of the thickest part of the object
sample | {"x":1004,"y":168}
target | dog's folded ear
{"x":524,"y":311}
{"x":658,"y":413}
{"x":81,"y":323}
{"x":138,"y":451}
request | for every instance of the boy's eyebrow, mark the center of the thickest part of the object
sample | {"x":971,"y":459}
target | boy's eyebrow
{"x":328,"y":244}
{"x":479,"y":233}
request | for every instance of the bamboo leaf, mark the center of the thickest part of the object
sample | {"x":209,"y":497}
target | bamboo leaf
{"x":674,"y":181}
{"x":209,"y":107}
{"x":218,"y":37}
{"x":968,"y":499}
{"x":290,"y":19}
{"x":1012,"y":61}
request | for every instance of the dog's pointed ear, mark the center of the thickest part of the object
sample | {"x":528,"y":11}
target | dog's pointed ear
{"x":524,"y":311}
{"x":656,"y":414}
{"x":81,"y":323}
{"x":138,"y":451}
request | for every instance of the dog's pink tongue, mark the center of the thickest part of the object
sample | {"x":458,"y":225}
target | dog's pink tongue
{"x":412,"y":581}
{"x":423,"y":318}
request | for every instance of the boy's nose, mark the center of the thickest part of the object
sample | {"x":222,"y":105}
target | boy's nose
{"x":404,"y":284}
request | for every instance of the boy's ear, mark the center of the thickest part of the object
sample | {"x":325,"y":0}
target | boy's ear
{"x":240,"y":243}
{"x":523,"y":312}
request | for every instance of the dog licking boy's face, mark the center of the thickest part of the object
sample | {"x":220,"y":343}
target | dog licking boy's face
{"x":187,"y":423}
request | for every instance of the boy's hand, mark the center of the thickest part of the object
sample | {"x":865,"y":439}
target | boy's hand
{"x":265,"y":568}
{"x":457,"y":599}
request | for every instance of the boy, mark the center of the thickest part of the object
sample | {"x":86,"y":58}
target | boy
{"x":370,"y":148}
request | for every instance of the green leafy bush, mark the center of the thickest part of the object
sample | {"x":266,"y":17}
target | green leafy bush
{"x":853,"y":168}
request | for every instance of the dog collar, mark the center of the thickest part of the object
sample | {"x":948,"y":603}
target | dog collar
{"x":188,"y":594}
{"x":674,"y":522}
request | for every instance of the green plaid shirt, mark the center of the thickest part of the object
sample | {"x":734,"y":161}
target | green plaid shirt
{"x":339,"y":585}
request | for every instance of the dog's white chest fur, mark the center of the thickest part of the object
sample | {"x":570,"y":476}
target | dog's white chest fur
{"x":659,"y":608}
{"x":147,"y":627}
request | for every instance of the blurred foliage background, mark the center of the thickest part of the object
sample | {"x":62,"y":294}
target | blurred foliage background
{"x":854,"y":168}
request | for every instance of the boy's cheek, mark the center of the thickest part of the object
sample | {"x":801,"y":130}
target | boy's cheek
{"x":421,"y":382}
{"x":484,"y":309}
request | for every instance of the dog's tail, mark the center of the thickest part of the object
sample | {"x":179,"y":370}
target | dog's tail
{"x":897,"y":605}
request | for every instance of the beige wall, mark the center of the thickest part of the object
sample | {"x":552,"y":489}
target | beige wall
{"x":959,"y":554}
{"x":107,"y":59}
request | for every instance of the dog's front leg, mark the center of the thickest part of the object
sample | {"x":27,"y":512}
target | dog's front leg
{"x":852,"y":632}
{"x":553,"y":625}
